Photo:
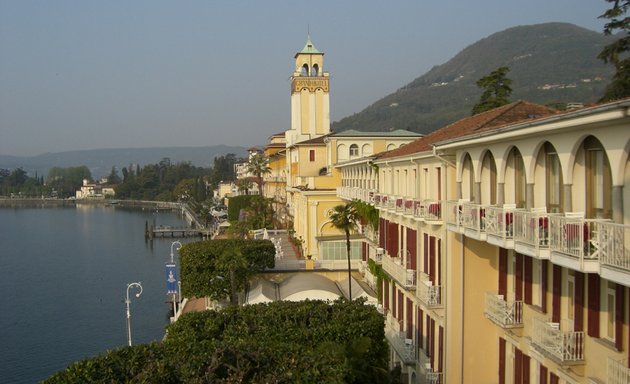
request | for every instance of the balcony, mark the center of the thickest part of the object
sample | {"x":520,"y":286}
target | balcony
{"x":575,"y":242}
{"x":500,"y":225}
{"x":405,"y":277}
{"x":617,"y":373}
{"x":427,"y":375}
{"x":474,"y":220}
{"x":531,"y":233}
{"x":454,"y":218}
{"x":352,"y":193}
{"x":614,"y":249}
{"x":409,"y":207}
{"x":506,"y":314}
{"x":565,"y":347}
{"x":394,"y":334}
{"x":429,"y":294}
{"x":430,"y":211}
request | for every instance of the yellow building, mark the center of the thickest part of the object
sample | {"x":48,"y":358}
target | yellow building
{"x":311,"y":153}
{"x":275,"y":182}
{"x":504,"y":241}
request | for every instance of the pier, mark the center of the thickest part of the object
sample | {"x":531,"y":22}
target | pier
{"x":166,"y":231}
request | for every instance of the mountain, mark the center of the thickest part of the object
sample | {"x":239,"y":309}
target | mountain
{"x":552,"y":64}
{"x":100,"y":161}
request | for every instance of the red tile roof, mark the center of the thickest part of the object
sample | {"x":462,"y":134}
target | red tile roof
{"x":482,"y":122}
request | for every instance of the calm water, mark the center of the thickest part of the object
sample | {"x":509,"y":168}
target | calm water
{"x":64,"y":275}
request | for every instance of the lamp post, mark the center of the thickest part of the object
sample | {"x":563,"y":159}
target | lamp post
{"x":173,"y":290}
{"x":127,"y":302}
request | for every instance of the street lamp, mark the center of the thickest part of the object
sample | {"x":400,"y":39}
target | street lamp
{"x":178,"y":248}
{"x":127,"y":302}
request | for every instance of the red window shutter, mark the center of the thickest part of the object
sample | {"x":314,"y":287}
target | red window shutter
{"x":527,"y":277}
{"x":503,"y":269}
{"x":518,"y":274}
{"x":619,"y":314}
{"x":544,"y":266}
{"x":501,"y":360}
{"x":381,"y":232}
{"x":432,"y":259}
{"x":400,"y":306}
{"x":412,"y":248}
{"x":427,"y":346}
{"x":553,"y":378}
{"x":525,"y":369}
{"x":386,"y":294}
{"x":432,"y":346}
{"x":441,"y":350}
{"x":543,"y":375}
{"x":364,"y":251}
{"x":438,"y":256}
{"x":593,"y":304}
{"x":556,"y":291}
{"x":518,"y":366}
{"x":425,"y":263}
{"x":578,"y":315}
{"x":409,"y":319}
{"x":394,"y":298}
{"x":311,"y":155}
{"x":420,"y":330}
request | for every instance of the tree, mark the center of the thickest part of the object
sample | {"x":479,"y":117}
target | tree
{"x":344,"y":218}
{"x":614,"y":53}
{"x":258,"y":165}
{"x":113,"y":177}
{"x":496,"y":90}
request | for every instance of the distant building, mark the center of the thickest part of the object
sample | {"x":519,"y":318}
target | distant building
{"x":94,"y":191}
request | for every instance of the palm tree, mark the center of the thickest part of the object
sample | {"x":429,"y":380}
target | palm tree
{"x":258,"y":166}
{"x":344,"y":218}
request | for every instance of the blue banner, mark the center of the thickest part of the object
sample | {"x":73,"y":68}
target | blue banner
{"x":171,"y":278}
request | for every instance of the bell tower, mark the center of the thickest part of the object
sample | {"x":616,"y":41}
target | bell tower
{"x":310,"y":102}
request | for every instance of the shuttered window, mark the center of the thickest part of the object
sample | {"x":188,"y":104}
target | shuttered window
{"x":594,"y":285}
{"x":528,"y":277}
{"x":503,"y":271}
{"x":544,"y":282}
{"x":411,"y":248}
{"x":578,"y":316}
{"x":518,"y":277}
{"x":501,"y":360}
{"x":409,"y":317}
{"x":432,"y":259}
{"x":556,"y":291}
{"x":619,"y":312}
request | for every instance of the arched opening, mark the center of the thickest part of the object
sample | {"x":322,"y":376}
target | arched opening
{"x":598,"y":202}
{"x":515,"y":182}
{"x":488,"y":180}
{"x":315,"y":70}
{"x":548,"y":173}
{"x":468,"y":179}
{"x":304,"y":70}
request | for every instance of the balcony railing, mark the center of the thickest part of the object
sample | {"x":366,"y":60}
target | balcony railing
{"x":500,"y":225}
{"x":453,"y":213}
{"x":409,"y":207}
{"x":576,"y":242}
{"x":434,"y":378}
{"x":428,"y":293}
{"x":351,"y":193}
{"x":562,"y":346}
{"x":531,"y":232}
{"x":474,"y":220}
{"x":394,"y":268}
{"x":507,"y":314}
{"x":617,"y":373}
{"x":397,"y":339}
{"x":430,"y":210}
{"x":614,"y":249}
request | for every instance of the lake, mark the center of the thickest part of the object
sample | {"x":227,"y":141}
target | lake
{"x":64,"y":274}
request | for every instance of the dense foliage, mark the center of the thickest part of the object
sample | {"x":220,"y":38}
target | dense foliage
{"x":208,"y":270}
{"x":66,"y":181}
{"x":250,"y":212}
{"x":617,"y":51}
{"x":280,"y":342}
{"x":496,"y":90}
{"x":366,"y":212}
{"x":19,"y":183}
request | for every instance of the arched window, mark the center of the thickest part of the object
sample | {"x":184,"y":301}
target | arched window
{"x":553,"y":179}
{"x":305,"y":70}
{"x":598,"y":180}
{"x":488,"y":180}
{"x":315,"y":70}
{"x":354,"y":150}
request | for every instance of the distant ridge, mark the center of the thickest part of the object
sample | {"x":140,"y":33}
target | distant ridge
{"x":552,"y":63}
{"x":100,"y":161}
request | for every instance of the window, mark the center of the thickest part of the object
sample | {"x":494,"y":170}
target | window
{"x":609,"y":312}
{"x":315,"y":70}
{"x":354,"y":150}
{"x":336,"y":250}
{"x":553,"y":180}
{"x":304,"y":70}
{"x":571,"y":295}
{"x":311,"y":155}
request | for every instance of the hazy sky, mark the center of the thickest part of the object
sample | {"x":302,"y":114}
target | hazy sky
{"x":123,"y":73}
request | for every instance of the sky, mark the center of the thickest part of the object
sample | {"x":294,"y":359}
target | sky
{"x":78,"y":75}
